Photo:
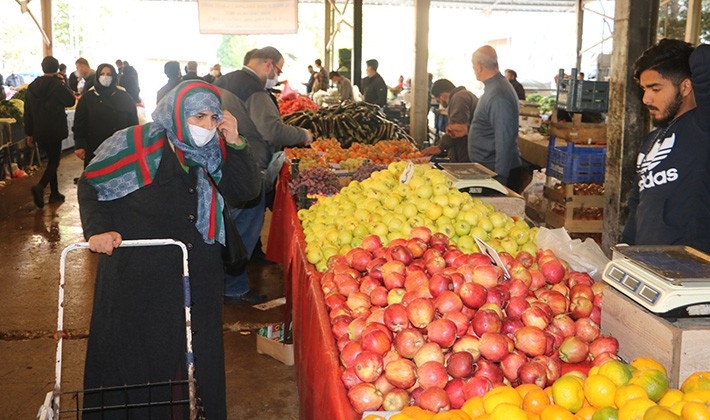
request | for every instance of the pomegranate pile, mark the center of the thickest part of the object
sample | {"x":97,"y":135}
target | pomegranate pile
{"x":420,"y":322}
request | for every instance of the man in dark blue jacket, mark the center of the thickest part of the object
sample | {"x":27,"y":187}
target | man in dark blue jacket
{"x":670,"y":203}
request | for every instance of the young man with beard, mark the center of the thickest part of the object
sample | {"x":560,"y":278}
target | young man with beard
{"x":670,"y":203}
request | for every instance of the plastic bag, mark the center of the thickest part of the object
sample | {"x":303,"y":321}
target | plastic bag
{"x":584,"y":256}
{"x":288,"y":93}
{"x":534,"y":191}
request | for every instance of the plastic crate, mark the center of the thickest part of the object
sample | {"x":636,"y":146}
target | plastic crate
{"x":575,"y":163}
{"x":581,"y":95}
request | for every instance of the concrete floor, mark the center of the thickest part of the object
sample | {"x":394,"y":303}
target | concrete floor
{"x":31,"y":241}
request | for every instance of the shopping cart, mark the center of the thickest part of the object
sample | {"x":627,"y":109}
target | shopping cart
{"x":51,"y":408}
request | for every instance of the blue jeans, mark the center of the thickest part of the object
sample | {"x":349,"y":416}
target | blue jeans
{"x":249,"y":222}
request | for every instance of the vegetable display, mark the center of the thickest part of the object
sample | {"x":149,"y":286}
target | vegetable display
{"x":349,"y":122}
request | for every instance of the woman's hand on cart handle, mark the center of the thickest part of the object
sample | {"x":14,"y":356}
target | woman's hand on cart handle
{"x":105,"y":243}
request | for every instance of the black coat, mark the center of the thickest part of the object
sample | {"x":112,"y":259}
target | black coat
{"x":99,"y":115}
{"x":45,"y":117}
{"x":375,"y":90}
{"x":137,"y":327}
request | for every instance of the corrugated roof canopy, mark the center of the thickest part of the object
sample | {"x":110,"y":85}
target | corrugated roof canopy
{"x":559,"y":6}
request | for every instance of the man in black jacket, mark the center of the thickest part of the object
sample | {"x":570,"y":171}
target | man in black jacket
{"x":373,"y":86}
{"x":670,"y":203}
{"x":45,"y":122}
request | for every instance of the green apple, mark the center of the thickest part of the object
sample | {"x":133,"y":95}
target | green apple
{"x":498,"y":219}
{"x":356,"y":242}
{"x":314,"y":255}
{"x":321,"y":266}
{"x":529,"y":247}
{"x":443,"y":220}
{"x":479,"y":233}
{"x":422,"y":204}
{"x":406,"y":228}
{"x":433,"y":211}
{"x":470,"y":217}
{"x":509,"y":245}
{"x":447,"y":229}
{"x":451,"y":211}
{"x":441,"y":199}
{"x":329,"y":251}
{"x":462,"y":227}
{"x":331,"y":236}
{"x":395,"y":224}
{"x":391,"y":201}
{"x":521,"y":235}
{"x":380,"y":229}
{"x":417,"y":220}
{"x":456,"y":199}
{"x":498,"y":233}
{"x":361,"y":215}
{"x":361,"y":230}
{"x":409,"y":210}
{"x":441,"y":189}
{"x":425,"y":191}
{"x":345,"y":236}
{"x":485,"y":224}
{"x":466,"y":244}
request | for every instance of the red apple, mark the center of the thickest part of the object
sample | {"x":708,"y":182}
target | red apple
{"x":460,"y":320}
{"x":576,"y":277}
{"x":484,"y":321}
{"x":408,"y":341}
{"x":365,"y":397}
{"x":448,"y":301}
{"x":490,"y":370}
{"x":525,"y":258}
{"x":395,"y":400}
{"x":374,"y":268}
{"x":552,"y":365}
{"x":395,"y":317}
{"x":432,"y":374}
{"x":586,"y":329}
{"x":516,"y":306}
{"x":487,"y":275}
{"x":350,"y":378}
{"x":429,"y":352}
{"x":434,"y":399}
{"x":553,"y":270}
{"x":376,"y":341}
{"x":494,"y":346}
{"x":416,"y":280}
{"x":564,"y":324}
{"x":535,"y":316}
{"x":368,"y":366}
{"x":581,"y":307}
{"x":371,"y":243}
{"x":473,"y":295}
{"x":554,"y":299}
{"x":460,"y":364}
{"x":420,"y":312}
{"x":349,"y":353}
{"x":510,"y":325}
{"x":603,"y":344}
{"x":468,"y":343}
{"x":599,"y":359}
{"x":416,"y":246}
{"x":358,"y":259}
{"x":532,"y":372}
{"x":454,"y":389}
{"x":442,"y":331}
{"x":440,"y":283}
{"x":516,"y":288}
{"x":531,"y":341}
{"x":355,"y":328}
{"x":537,"y":280}
{"x":510,"y":365}
{"x":378,"y":296}
{"x":498,"y":295}
{"x":573,"y":350}
{"x":581,"y":290}
{"x":451,"y":255}
{"x":435,"y":265}
{"x":476,"y":386}
{"x":420,"y":232}
{"x":401,"y":373}
{"x":401,"y":253}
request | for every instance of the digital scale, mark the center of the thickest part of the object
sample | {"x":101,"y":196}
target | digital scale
{"x":472,"y":178}
{"x":670,"y":281}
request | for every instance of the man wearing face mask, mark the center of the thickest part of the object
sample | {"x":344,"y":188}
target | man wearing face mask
{"x":103,"y":110}
{"x":85,"y":71}
{"x":251,"y":85}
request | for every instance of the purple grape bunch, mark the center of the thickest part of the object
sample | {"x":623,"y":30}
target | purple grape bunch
{"x":366,"y":169}
{"x":318,"y":181}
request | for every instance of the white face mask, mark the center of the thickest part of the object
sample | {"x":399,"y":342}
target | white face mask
{"x":201,"y":136}
{"x":105,"y":80}
{"x":270,"y":83}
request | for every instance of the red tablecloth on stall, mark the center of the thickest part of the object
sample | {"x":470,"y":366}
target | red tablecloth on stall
{"x":320,"y":390}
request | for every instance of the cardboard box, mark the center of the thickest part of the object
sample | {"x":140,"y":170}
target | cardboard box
{"x":680,"y":346}
{"x":270,"y":340}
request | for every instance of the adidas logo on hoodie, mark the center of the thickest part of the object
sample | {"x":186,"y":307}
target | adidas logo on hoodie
{"x":646,"y":163}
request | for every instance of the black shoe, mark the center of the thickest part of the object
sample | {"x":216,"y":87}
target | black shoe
{"x":249,"y":298}
{"x":38,"y":196}
{"x":56,"y":197}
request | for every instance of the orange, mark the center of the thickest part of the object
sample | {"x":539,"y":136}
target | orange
{"x":628,"y":392}
{"x":643,"y":363}
{"x":606,"y":413}
{"x":677,"y":407}
{"x":473,"y":407}
{"x":536,"y":400}
{"x":506,"y":411}
{"x":653,"y":381}
{"x":693,"y":410}
{"x":697,"y":380}
{"x":499,"y":395}
{"x":670,"y":397}
{"x":417,"y":413}
{"x":599,"y":390}
{"x":523,"y":389}
{"x":374,"y":417}
{"x":555,"y":412}
{"x":618,"y":372}
{"x":635,"y":408}
{"x":451,"y":415}
{"x":660,"y":413}
{"x":586,"y":413}
{"x":568,"y":392}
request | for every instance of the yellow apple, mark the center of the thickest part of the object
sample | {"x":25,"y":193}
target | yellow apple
{"x":433,"y":211}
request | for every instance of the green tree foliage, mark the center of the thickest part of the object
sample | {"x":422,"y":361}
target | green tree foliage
{"x":673,"y":16}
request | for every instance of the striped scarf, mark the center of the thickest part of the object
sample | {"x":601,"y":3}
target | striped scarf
{"x":129,"y":159}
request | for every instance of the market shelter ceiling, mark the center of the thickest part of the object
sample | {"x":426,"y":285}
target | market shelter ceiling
{"x":558,"y":6}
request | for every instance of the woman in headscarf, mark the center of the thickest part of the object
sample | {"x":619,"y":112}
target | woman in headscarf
{"x":165,"y":179}
{"x":103,"y":110}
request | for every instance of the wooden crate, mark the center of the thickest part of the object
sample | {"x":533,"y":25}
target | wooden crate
{"x":577,"y":131}
{"x":680,"y":346}
{"x":571,"y":203}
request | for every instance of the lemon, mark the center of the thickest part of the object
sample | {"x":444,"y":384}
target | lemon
{"x":618,"y":372}
{"x":555,"y":412}
{"x":693,"y":410}
{"x":635,"y":408}
{"x":586,"y":413}
{"x":653,"y":381}
{"x":699,"y":395}
{"x":506,"y":411}
{"x":599,"y":390}
{"x":568,"y":392}
{"x":643,"y":363}
{"x":660,"y":413}
{"x":627,"y":392}
{"x":670,"y":397}
{"x":606,"y":413}
{"x":474,"y":407}
{"x":697,"y":380}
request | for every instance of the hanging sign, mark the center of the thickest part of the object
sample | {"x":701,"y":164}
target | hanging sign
{"x":242,"y":17}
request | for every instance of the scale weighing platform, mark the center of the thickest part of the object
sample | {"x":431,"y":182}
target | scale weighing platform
{"x":670,"y":281}
{"x":472,"y":178}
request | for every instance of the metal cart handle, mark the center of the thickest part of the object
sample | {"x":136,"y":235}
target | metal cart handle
{"x":188,"y":314}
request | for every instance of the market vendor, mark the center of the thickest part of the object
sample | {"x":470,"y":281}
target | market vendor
{"x":670,"y":201}
{"x":460,"y":105}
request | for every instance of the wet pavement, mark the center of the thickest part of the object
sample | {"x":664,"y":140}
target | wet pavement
{"x":31,"y":242}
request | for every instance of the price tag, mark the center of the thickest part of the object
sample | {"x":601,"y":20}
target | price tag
{"x":407,"y":174}
{"x":492,"y":254}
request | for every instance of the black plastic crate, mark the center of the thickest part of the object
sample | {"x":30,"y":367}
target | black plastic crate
{"x":581,"y":95}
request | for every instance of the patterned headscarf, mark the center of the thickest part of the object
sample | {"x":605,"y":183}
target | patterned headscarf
{"x":129,"y":159}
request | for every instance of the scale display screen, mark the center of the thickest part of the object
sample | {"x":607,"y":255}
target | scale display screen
{"x":678,"y":264}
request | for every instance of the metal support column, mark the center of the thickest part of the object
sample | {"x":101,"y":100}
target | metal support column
{"x":357,"y":43}
{"x":418,"y":122}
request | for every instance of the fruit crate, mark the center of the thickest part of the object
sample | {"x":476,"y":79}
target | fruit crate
{"x":577,"y":131}
{"x":581,"y":95}
{"x":574,"y":163}
{"x":681,"y":346}
{"x":574,"y":219}
{"x":575,"y":195}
